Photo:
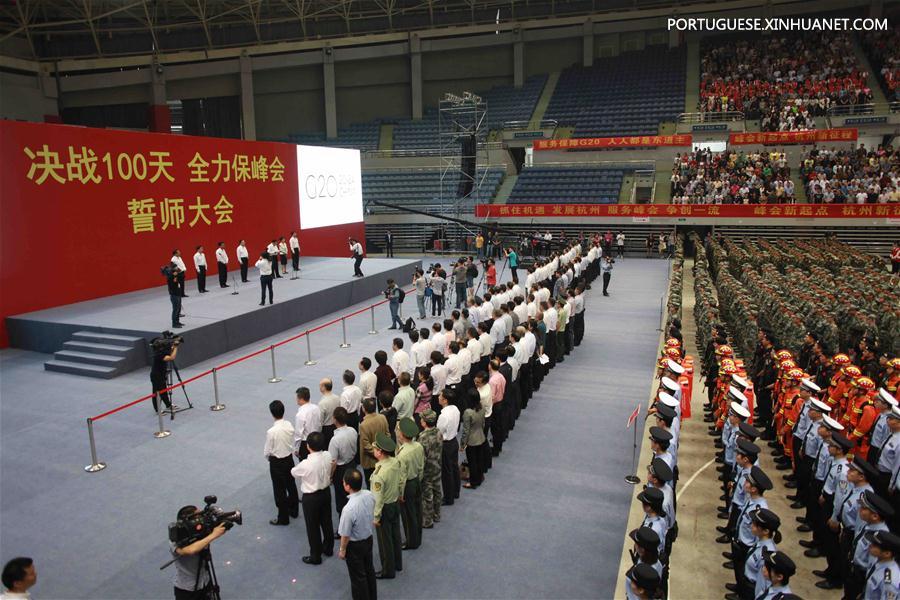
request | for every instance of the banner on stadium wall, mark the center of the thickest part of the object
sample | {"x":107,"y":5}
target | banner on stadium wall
{"x":743,"y":211}
{"x":93,"y":212}
{"x":794,"y":137}
{"x":614,"y":142}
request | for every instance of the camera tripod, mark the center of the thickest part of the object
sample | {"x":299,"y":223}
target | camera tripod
{"x":206,"y":564}
{"x":172,"y":411}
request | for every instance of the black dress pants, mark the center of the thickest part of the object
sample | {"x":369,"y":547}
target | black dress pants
{"x":265,"y":282}
{"x":357,"y":261}
{"x":450,"y":483}
{"x":275,"y":269}
{"x":340,"y":496}
{"x":245,"y":265}
{"x":201,"y":279}
{"x":284,"y":487}
{"x":223,"y":274}
{"x":606,"y":277}
{"x":360,"y":566}
{"x":319,"y":529}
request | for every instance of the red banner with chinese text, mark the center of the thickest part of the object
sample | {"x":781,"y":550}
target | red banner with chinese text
{"x":649,"y":141}
{"x":794,"y":137}
{"x":92,"y":212}
{"x":823,"y":211}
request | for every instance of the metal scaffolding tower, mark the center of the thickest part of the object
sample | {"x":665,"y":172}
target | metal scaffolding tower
{"x":462,"y":127}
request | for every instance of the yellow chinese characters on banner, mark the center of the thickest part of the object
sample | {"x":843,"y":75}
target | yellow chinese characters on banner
{"x":169,"y":213}
{"x":81,"y":164}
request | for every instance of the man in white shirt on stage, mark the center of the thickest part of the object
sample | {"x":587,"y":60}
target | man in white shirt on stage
{"x":279,"y":452}
{"x":272,"y":249}
{"x":243,"y":256}
{"x":295,"y":251}
{"x":222,"y":262}
{"x":200,"y":265}
{"x":307,"y":421}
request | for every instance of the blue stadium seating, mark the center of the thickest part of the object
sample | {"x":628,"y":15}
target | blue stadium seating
{"x":629,"y":94}
{"x":422,"y":188}
{"x":363,"y":136}
{"x":569,"y":185}
{"x":504,"y":103}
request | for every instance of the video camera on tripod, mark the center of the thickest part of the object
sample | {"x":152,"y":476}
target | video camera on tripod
{"x":165,"y":342}
{"x":197,"y":526}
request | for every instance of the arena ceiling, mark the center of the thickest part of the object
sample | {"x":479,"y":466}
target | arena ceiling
{"x":55,"y":29}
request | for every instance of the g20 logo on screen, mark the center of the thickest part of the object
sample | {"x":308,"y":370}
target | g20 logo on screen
{"x":329,"y":187}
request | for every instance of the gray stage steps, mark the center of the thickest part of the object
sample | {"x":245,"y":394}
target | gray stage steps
{"x":96,"y":354}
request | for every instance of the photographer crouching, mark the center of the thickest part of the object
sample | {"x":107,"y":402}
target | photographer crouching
{"x":190,"y":537}
{"x":164,"y":350}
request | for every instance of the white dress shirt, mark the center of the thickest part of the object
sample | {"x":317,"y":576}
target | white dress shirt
{"x":420,"y":353}
{"x":475,"y":350}
{"x":327,"y":404}
{"x":241,"y":252}
{"x":400,"y":362}
{"x":497,"y":330}
{"x":264,"y":266}
{"x":487,"y":344}
{"x":308,"y":420}
{"x":351,"y":396}
{"x":279,"y":440}
{"x":221,"y":256}
{"x":550,"y":318}
{"x":282,"y":248}
{"x":295,"y":245}
{"x":272,"y":249}
{"x":314,"y":472}
{"x":199,"y":260}
{"x":439,"y":375}
{"x":440,"y":342}
{"x":454,"y":370}
{"x":521,"y":311}
{"x":448,"y":422}
{"x":367,"y":383}
{"x":465,"y":360}
{"x":178,"y":261}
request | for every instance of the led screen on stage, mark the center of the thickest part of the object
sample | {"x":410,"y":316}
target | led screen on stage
{"x":330,"y":186}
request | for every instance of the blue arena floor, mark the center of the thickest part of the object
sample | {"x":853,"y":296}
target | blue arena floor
{"x":548,"y":522}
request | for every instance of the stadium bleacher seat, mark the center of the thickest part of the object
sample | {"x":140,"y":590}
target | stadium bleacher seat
{"x":421,"y":189}
{"x":567,"y":185}
{"x":630,"y":94}
{"x":362,"y":136}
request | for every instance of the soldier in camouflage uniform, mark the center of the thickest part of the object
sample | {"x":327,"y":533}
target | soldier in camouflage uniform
{"x":432,"y":494}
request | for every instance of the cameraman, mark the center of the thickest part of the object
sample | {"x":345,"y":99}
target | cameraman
{"x":392,"y":293}
{"x":190,"y":582}
{"x":513,"y":263}
{"x":174,"y":283}
{"x":162,"y":355}
{"x":459,"y":280}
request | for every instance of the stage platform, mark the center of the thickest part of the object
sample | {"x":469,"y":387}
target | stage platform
{"x":107,"y":336}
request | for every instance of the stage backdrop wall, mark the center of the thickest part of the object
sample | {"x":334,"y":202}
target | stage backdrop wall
{"x":86,"y":213}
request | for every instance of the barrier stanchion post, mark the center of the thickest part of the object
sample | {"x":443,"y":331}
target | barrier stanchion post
{"x":372,"y":331}
{"x":345,"y":344}
{"x":275,"y":378}
{"x":309,"y":361}
{"x":218,"y":405}
{"x":95,"y":465}
{"x":162,"y":433}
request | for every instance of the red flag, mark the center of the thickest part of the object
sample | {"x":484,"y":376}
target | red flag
{"x":634,"y":416}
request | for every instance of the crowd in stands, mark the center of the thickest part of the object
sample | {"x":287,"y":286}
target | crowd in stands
{"x":706,"y":177}
{"x":860,"y":176}
{"x":883,"y":48}
{"x":783,"y":81}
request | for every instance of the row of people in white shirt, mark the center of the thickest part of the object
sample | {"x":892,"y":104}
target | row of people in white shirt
{"x":273,"y":248}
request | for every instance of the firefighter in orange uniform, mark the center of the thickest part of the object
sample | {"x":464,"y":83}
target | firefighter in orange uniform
{"x":863,"y":414}
{"x":891,"y":380}
{"x":842,"y":406}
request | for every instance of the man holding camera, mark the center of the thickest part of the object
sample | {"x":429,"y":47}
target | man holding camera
{"x":392,"y":293}
{"x":459,"y":280}
{"x":192,"y":581}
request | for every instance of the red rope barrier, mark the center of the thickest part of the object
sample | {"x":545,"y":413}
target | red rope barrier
{"x":241,"y":359}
